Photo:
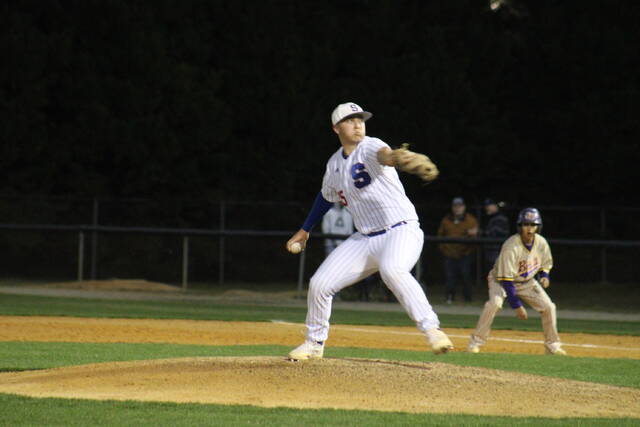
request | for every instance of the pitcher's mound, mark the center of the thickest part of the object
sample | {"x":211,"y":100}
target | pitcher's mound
{"x":330,"y":383}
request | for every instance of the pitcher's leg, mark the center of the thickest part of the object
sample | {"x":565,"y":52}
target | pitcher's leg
{"x":346,"y":265}
{"x":397,"y":252}
{"x":412,"y":298}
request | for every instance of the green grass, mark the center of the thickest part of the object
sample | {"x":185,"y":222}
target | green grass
{"x":612,"y":297}
{"x":26,"y":305}
{"x":25,"y":411}
{"x":20,"y":356}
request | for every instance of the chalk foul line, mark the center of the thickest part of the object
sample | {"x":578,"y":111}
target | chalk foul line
{"x":514,"y":340}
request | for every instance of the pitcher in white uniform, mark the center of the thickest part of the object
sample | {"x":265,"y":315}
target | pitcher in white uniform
{"x":361,"y":176}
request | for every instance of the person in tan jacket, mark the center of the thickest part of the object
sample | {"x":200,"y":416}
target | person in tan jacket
{"x":458,"y":257}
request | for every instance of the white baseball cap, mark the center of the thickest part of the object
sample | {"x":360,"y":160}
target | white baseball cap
{"x":348,"y":109}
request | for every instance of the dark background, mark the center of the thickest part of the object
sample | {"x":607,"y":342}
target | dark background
{"x":534,"y":104}
{"x":211,"y":114}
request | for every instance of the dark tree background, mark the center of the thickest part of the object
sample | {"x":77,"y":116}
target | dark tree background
{"x":534,"y":103}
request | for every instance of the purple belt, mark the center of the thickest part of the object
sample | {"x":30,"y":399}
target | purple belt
{"x":379,"y":232}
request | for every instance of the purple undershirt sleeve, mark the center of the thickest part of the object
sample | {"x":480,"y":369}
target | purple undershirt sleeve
{"x":543,"y":274}
{"x":320,"y":207}
{"x":510,"y":289}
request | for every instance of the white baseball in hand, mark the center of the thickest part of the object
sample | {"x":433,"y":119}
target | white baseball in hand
{"x":295,"y":248}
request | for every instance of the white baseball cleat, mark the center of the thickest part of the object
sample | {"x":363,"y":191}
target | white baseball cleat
{"x":554,"y":349}
{"x":440,"y":342}
{"x":308,"y":350}
{"x":474,"y":345}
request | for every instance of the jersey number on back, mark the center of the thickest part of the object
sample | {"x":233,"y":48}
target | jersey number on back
{"x":361,"y":177}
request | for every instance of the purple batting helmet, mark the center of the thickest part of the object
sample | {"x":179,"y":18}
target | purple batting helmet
{"x":530,"y":216}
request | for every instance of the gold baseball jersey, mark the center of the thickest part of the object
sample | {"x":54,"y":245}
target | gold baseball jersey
{"x":518,"y":264}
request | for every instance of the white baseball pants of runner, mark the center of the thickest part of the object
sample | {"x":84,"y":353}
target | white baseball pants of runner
{"x":530,"y":292}
{"x":393,"y":254}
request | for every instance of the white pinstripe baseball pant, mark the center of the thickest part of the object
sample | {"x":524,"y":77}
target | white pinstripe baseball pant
{"x":393,"y":253}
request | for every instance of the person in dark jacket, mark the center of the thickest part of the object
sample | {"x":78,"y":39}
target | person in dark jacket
{"x":497,"y":227}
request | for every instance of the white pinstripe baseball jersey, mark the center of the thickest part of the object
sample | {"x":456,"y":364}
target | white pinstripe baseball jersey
{"x":372,"y":192}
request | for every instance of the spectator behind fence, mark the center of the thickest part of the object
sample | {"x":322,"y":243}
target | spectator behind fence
{"x":497,"y":227}
{"x":458,"y":257}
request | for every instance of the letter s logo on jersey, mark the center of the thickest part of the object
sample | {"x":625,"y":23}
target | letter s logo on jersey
{"x":361,"y":177}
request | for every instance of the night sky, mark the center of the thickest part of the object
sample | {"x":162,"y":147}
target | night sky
{"x":535,"y":103}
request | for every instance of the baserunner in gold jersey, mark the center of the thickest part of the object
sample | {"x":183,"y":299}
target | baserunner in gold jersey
{"x":522,"y":256}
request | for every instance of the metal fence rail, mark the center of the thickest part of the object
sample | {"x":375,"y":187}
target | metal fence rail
{"x":94,"y":230}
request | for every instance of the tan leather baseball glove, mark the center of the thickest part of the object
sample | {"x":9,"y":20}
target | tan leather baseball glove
{"x":414,"y":163}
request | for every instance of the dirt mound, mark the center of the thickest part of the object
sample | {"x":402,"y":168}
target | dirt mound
{"x":116,"y":285}
{"x":330,"y":383}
